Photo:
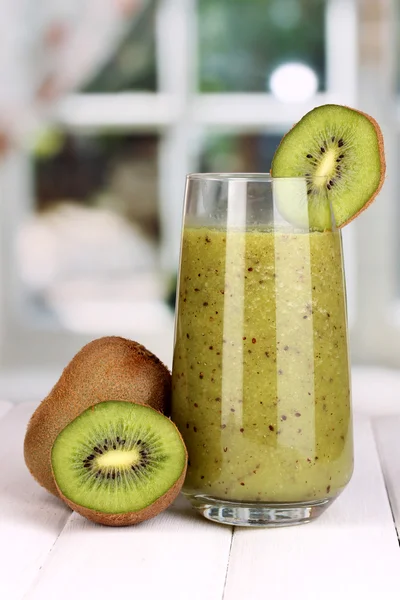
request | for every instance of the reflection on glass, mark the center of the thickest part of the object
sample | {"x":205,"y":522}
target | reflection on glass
{"x":260,"y":375}
{"x":241,"y":42}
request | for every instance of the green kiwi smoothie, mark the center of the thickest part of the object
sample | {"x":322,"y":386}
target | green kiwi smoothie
{"x":261,"y":390}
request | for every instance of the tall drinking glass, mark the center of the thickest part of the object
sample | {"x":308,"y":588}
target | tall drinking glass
{"x":261,"y":384}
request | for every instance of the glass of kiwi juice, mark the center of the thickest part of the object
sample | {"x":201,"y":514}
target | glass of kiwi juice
{"x":261,"y":383}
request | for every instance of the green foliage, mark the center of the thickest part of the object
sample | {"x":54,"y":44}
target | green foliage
{"x":132,"y":66}
{"x":242,"y":41}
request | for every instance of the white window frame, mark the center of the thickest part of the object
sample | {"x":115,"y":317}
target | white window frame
{"x":179,"y":113}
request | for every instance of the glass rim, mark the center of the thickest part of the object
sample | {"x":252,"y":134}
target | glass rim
{"x":260,"y":177}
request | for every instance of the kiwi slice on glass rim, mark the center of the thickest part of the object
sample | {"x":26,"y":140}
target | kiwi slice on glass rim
{"x":119,"y":463}
{"x":339,"y":153}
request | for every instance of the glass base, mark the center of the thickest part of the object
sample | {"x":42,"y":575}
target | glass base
{"x":259,"y":514}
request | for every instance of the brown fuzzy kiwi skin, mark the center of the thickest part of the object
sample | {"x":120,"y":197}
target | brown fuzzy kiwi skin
{"x":130,"y":518}
{"x":109,"y":368}
{"x":381,"y":148}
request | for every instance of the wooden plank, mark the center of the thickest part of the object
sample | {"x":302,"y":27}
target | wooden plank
{"x":30,"y":518}
{"x":176,"y":555}
{"x":387,"y":433}
{"x":350,"y":552}
{"x":4,"y":408}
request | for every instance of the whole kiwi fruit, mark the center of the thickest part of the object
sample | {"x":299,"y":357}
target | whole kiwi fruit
{"x":109,"y":368}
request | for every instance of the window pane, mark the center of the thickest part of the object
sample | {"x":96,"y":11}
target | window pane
{"x":132,"y":66}
{"x":89,"y":253}
{"x":242,"y":42}
{"x":238,"y":153}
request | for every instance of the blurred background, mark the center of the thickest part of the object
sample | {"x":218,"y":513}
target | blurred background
{"x":105,"y":105}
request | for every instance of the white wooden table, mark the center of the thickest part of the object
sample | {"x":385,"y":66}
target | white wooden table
{"x":352,"y":552}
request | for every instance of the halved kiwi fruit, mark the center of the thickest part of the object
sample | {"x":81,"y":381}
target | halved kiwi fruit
{"x":119,"y":463}
{"x":109,"y":368}
{"x":339,"y":151}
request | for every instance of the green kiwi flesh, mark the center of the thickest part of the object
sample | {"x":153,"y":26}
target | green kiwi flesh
{"x":292,"y":199}
{"x":339,"y":151}
{"x":117,"y":458}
